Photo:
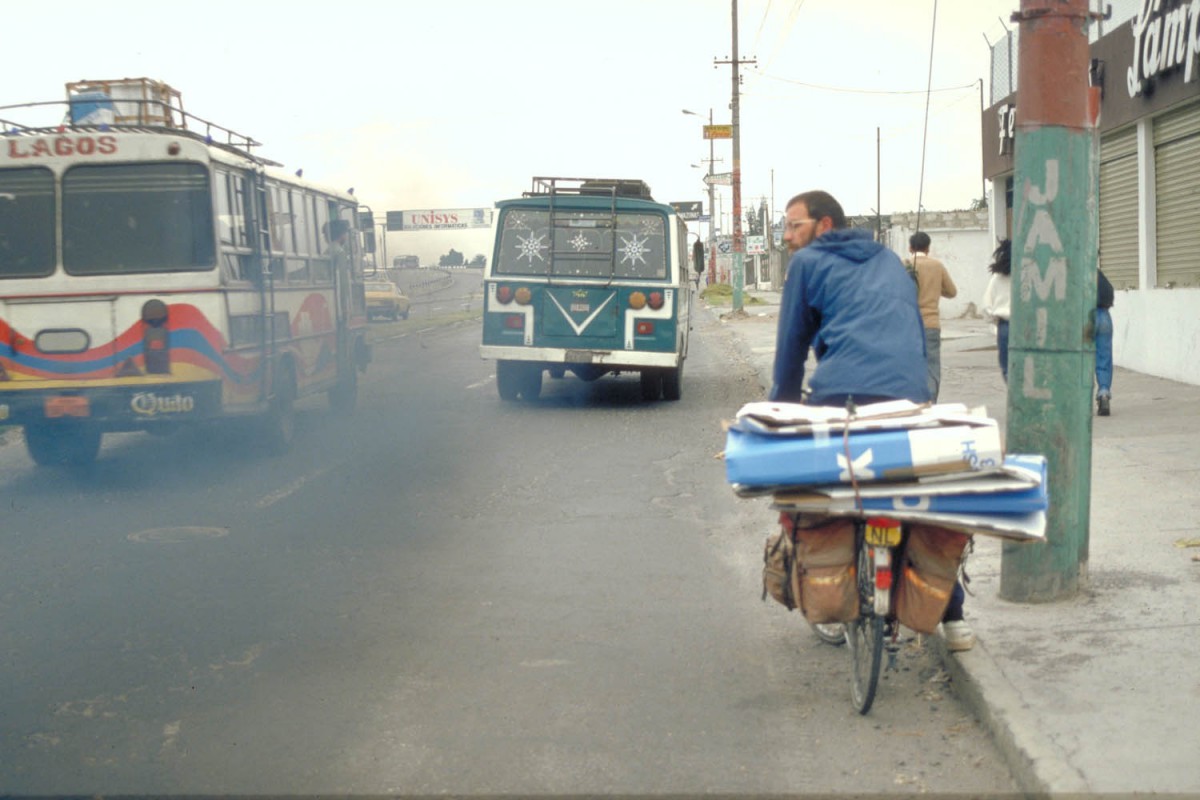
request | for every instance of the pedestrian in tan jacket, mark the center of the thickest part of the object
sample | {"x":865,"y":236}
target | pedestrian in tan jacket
{"x":933,"y":283}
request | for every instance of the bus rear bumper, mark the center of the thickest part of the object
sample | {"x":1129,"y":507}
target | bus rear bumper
{"x":113,"y":408}
{"x":609,"y":359}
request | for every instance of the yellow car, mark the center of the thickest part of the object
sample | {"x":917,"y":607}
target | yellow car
{"x":384,"y":299}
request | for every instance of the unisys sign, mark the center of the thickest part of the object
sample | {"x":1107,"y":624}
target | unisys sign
{"x":439,"y":219}
{"x":1166,"y":36}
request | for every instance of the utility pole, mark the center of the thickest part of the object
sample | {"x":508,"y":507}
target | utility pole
{"x":1055,"y":248}
{"x":381,"y":247}
{"x":878,"y":189}
{"x":739,"y":240}
{"x":712,"y":209}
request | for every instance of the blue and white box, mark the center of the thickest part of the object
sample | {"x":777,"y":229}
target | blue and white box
{"x":826,"y":457}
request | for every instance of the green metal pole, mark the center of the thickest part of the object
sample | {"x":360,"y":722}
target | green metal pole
{"x":1055,"y":243}
{"x":739,"y":242}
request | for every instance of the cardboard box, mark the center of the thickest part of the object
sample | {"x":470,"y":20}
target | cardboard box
{"x":765,"y":460}
{"x":1018,"y":487}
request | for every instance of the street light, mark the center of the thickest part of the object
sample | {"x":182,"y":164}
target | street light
{"x":712,"y":210}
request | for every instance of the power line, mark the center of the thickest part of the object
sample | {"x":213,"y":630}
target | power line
{"x":848,"y":90}
{"x":762,"y":23}
{"x":925,"y":132}
{"x":784,"y":31}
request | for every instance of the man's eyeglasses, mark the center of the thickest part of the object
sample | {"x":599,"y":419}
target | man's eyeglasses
{"x":793,"y":224}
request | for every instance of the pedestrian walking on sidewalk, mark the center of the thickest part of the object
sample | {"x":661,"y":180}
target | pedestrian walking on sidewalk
{"x":850,"y":300}
{"x":997,"y":299}
{"x":1104,"y":334}
{"x":933,"y":283}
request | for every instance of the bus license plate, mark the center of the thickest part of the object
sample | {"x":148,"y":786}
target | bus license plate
{"x":883,"y":535}
{"x":579,"y":357}
{"x":67,"y":406}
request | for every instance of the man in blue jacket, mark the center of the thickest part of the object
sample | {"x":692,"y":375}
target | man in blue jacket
{"x":851,"y":301}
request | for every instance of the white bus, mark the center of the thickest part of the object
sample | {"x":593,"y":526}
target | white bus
{"x":160,"y":274}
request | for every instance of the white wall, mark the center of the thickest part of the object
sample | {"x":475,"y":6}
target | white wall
{"x":1157,"y":331}
{"x":966,"y":254}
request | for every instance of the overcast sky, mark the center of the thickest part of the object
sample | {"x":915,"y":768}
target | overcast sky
{"x":458,"y":103}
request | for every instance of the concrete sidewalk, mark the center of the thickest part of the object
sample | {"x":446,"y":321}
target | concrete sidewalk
{"x":1099,"y":693}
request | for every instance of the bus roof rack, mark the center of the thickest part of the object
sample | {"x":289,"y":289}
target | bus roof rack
{"x":127,"y":104}
{"x":603,"y":187}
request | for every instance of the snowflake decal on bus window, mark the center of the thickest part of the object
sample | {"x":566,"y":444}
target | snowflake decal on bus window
{"x":517,"y":220}
{"x":651,"y":226}
{"x":530,"y":246}
{"x":633,"y":249}
{"x":580,"y":242}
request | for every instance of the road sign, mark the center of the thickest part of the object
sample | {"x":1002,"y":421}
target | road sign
{"x":719,"y":179}
{"x":756,"y":245}
{"x":718,"y":131}
{"x":688,"y":210}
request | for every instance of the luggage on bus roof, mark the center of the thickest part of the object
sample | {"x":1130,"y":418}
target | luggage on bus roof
{"x":619,"y":187}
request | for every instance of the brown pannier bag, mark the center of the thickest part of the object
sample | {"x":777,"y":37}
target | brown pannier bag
{"x":926,"y":575}
{"x":826,"y":579}
{"x":779,"y":560}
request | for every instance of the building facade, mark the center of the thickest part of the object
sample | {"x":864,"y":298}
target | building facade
{"x":1147,"y":71}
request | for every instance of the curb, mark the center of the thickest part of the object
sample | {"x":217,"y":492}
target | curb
{"x":1040,"y":767}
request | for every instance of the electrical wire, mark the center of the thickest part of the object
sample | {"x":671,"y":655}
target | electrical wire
{"x":849,"y":90}
{"x":762,"y":24}
{"x":925,"y":132}
{"x":784,"y":31}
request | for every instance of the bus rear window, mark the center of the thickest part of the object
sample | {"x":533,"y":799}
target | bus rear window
{"x":135,"y":218}
{"x":26,"y":223}
{"x":583,"y":244}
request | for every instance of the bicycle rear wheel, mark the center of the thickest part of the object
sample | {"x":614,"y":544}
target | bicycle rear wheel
{"x":865,"y":634}
{"x":833,"y":633}
{"x":865,"y":638}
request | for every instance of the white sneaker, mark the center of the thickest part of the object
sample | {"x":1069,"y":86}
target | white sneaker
{"x":958,"y":636}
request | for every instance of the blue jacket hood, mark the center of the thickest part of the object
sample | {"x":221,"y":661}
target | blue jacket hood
{"x":852,"y":244}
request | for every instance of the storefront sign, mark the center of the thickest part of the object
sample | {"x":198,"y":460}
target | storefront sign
{"x":1164,"y":39}
{"x":1007,"y":114}
{"x":1147,"y":65}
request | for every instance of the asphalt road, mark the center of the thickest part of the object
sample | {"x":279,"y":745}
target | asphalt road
{"x":443,"y":594}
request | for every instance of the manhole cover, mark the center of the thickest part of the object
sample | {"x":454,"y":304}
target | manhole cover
{"x":180,"y":534}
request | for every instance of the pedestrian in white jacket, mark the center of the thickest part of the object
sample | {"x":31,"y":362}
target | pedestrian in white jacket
{"x":997,"y":299}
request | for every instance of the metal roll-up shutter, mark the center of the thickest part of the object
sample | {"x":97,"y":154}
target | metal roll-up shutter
{"x":1177,"y":204}
{"x":1119,"y":208}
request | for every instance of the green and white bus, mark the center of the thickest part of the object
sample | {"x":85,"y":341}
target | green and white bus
{"x":587,"y":275}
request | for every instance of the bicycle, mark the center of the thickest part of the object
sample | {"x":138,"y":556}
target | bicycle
{"x":876,"y":540}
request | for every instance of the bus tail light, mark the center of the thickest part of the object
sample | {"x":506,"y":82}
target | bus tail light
{"x":524,"y":296}
{"x":637,"y":301}
{"x":156,"y":338}
{"x":645,"y":327}
{"x":656,"y":300}
{"x":515,"y":322}
{"x":504,"y":294}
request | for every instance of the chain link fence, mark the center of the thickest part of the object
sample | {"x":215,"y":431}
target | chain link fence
{"x":1004,"y":51}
